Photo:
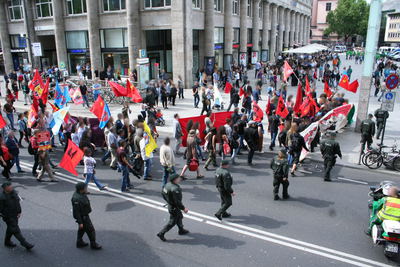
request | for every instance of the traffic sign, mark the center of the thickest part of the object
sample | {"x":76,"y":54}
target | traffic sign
{"x":388,"y":101}
{"x":389,"y":96}
{"x":392,"y":81}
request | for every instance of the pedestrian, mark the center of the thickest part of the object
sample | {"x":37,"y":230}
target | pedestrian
{"x":89,"y":170}
{"x":234,"y":98}
{"x":83,"y":89}
{"x":13,"y":148}
{"x":180,"y":87}
{"x":297,"y":144}
{"x":206,"y":102}
{"x":177,"y":132}
{"x":211,"y":145}
{"x":381,"y":117}
{"x":81,"y":209}
{"x":196,"y":97}
{"x":44,"y":161}
{"x":251,"y":137}
{"x":164,"y":96}
{"x":172,"y":193}
{"x":274,"y":123}
{"x":167,"y":160}
{"x":124,"y":166}
{"x":22,"y":128}
{"x":191,"y":154}
{"x":10,"y":211}
{"x":147,"y":158}
{"x":172,"y":93}
{"x":26,"y":90}
{"x":280,"y":168}
{"x":367,"y":129}
{"x":224,"y":182}
{"x":33,"y":150}
{"x":9,"y":110}
{"x":234,"y":143}
{"x":112,"y":147}
{"x":330,"y":149}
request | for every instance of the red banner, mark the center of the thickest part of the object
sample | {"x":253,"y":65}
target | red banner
{"x":72,"y":156}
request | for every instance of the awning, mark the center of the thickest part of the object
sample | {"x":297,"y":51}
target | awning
{"x":308,"y":49}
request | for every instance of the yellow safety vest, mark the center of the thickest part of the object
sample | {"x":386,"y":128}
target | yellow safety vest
{"x":390,"y":210}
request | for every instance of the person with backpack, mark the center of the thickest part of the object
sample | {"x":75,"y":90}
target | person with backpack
{"x":367,"y":129}
{"x":13,"y":148}
{"x":296,"y":146}
{"x":280,"y":168}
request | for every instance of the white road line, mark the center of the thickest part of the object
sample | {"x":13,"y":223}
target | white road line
{"x":304,"y":171}
{"x":351,"y":180}
{"x":234,"y":227}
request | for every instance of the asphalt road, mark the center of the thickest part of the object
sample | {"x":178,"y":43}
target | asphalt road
{"x":321,"y":225}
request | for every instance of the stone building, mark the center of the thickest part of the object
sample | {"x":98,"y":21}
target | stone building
{"x":320,"y":10}
{"x":392,"y":32}
{"x":180,"y":36}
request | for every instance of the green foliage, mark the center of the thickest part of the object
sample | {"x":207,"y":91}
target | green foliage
{"x":348,"y":19}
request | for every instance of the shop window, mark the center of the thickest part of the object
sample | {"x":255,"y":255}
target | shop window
{"x":113,"y":5}
{"x":236,"y":35}
{"x":157,"y":3}
{"x":44,"y":8}
{"x":235,"y":7}
{"x":113,"y":38}
{"x":15,"y":9}
{"x":76,"y":7}
{"x":17,"y":41}
{"x":197,"y":4}
{"x":218,"y":35}
{"x":218,"y":5}
{"x":76,"y":39}
{"x":249,"y":35}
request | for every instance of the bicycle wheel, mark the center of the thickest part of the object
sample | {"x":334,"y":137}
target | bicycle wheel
{"x":396,"y":164}
{"x":363,"y":156}
{"x":373,"y":160}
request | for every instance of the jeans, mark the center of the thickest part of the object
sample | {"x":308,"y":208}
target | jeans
{"x":10,"y":117}
{"x":273,"y":138}
{"x":85,"y":101}
{"x":125,"y":183}
{"x":92,"y":177}
{"x":241,"y":143}
{"x":166,"y":174}
{"x":234,"y":153}
{"x":178,"y":144}
{"x":230,"y":105}
{"x":250,"y":155}
{"x":16,"y":162}
{"x":196,"y":100}
{"x":147,"y":168}
{"x":199,"y":152}
{"x":106,"y":155}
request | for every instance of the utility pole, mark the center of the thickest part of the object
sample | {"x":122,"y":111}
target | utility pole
{"x":374,"y":23}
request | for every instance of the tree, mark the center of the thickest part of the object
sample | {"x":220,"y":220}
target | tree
{"x":348,"y":19}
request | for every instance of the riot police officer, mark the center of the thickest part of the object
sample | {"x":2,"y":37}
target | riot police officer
{"x":367,"y":132}
{"x":80,"y":210}
{"x":224,"y":185}
{"x":330,"y":149}
{"x":380,"y":115}
{"x":10,"y":211}
{"x":172,"y":193}
{"x":280,"y":168}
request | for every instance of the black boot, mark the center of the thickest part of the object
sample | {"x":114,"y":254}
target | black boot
{"x":81,"y":244}
{"x":161,"y":236}
{"x":183,"y":231}
{"x":95,"y":246}
{"x":9,"y":244}
{"x":27,"y":245}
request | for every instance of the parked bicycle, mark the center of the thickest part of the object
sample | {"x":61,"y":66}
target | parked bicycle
{"x":383,"y":155}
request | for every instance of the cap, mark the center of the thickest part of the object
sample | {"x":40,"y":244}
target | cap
{"x":173,"y":177}
{"x":225,"y":162}
{"x":80,"y":186}
{"x":4,"y":185}
{"x":283,"y":151}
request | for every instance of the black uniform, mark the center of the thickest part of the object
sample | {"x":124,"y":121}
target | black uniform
{"x":172,"y":193}
{"x":80,"y":210}
{"x":329,"y":149}
{"x":10,"y":208}
{"x":223,"y":181}
{"x":280,"y":168}
{"x":367,"y":132}
{"x":381,"y":116}
{"x":251,"y":137}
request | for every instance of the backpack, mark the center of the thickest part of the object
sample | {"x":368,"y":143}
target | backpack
{"x":296,"y":141}
{"x":227,"y":148}
{"x":6,"y":154}
{"x":31,"y":151}
{"x":282,"y":137}
{"x":279,"y":170}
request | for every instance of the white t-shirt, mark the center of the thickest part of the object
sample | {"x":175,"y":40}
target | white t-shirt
{"x":89,"y":164}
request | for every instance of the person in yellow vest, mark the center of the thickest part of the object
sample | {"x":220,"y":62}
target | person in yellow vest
{"x":390,"y":209}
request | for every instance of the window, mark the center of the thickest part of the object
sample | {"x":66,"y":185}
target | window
{"x":236,"y":35}
{"x":249,"y":7}
{"x":113,"y":5}
{"x":218,"y":5}
{"x":218,"y":35}
{"x":157,"y":3}
{"x":249,"y":36}
{"x":76,"y":39}
{"x":15,"y":9}
{"x":76,"y":7}
{"x":113,"y":38}
{"x":328,"y":6}
{"x":17,"y":41}
{"x":235,"y":7}
{"x":260,"y":9}
{"x":197,"y":4}
{"x":44,"y":8}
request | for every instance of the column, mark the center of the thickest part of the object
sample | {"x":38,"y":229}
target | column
{"x":281,"y":28}
{"x":301,"y":30}
{"x":92,"y":7}
{"x":243,"y":26}
{"x":208,"y":28}
{"x":134,"y":31}
{"x":228,"y":28}
{"x":297,"y":26}
{"x":292,"y":28}
{"x":265,"y":26}
{"x":256,"y":28}
{"x":182,"y":41}
{"x":5,"y":39}
{"x":59,"y":33}
{"x":274,"y":13}
{"x":30,"y":32}
{"x":304,"y":29}
{"x":308,"y":30}
{"x":287,"y":28}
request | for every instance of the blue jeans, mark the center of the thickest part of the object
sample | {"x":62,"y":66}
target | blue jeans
{"x":234,"y":153}
{"x":106,"y":155}
{"x":10,"y":117}
{"x":16,"y":162}
{"x":241,"y":143}
{"x":273,"y":138}
{"x":196,"y":100}
{"x":147,"y":168}
{"x":92,"y":177}
{"x":199,"y":152}
{"x":125,"y":183}
{"x":85,"y":101}
{"x":166,"y":174}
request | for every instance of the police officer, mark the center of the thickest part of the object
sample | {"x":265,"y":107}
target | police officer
{"x":10,"y":211}
{"x":280,"y":167}
{"x":367,"y":132}
{"x":172,"y":193}
{"x":80,"y":210}
{"x":330,"y":149}
{"x":224,"y":185}
{"x":380,"y":115}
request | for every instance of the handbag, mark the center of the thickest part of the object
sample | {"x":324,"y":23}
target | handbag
{"x":193,"y":165}
{"x":227,"y":148}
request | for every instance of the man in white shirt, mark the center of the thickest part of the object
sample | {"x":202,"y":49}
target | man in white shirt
{"x":147,"y":159}
{"x":167,"y":160}
{"x":177,"y":132}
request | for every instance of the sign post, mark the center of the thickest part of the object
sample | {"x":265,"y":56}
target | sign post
{"x":392,"y":81}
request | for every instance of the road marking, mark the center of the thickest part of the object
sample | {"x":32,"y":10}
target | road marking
{"x":234,"y":227}
{"x":304,"y":171}
{"x":351,"y":180}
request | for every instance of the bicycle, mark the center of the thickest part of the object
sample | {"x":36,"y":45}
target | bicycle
{"x":375,"y":158}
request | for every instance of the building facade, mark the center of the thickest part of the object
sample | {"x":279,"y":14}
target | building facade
{"x":392,"y":32}
{"x":180,"y":36}
{"x":320,"y":10}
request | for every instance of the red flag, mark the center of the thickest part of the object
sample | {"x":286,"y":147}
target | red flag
{"x":344,"y":82}
{"x":53,"y":107}
{"x":118,"y":89}
{"x":72,"y":156}
{"x":287,"y":71}
{"x":327,"y":90}
{"x":281,"y":109}
{"x":308,"y":89}
{"x":353,"y":86}
{"x":33,"y":113}
{"x":133,"y":92}
{"x":258,"y":113}
{"x":268,"y":107}
{"x":45,"y":92}
{"x":299,"y":99}
{"x":309,"y":107}
{"x":98,"y":107}
{"x":2,"y":122}
{"x":241,"y":91}
{"x":36,"y":85}
{"x":228,"y":87}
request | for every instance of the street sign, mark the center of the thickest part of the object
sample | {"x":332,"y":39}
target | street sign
{"x":392,"y":81}
{"x":37,"y":49}
{"x":388,"y":101}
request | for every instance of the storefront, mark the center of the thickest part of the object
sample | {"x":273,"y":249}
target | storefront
{"x":114,"y":50}
{"x":78,"y":49}
{"x":159,"y":51}
{"x":19,"y":52}
{"x":219,"y":47}
{"x":119,"y":61}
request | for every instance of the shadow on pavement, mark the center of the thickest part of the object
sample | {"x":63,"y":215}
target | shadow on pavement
{"x":262,"y":221}
{"x":210,"y":241}
{"x":313,"y":202}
